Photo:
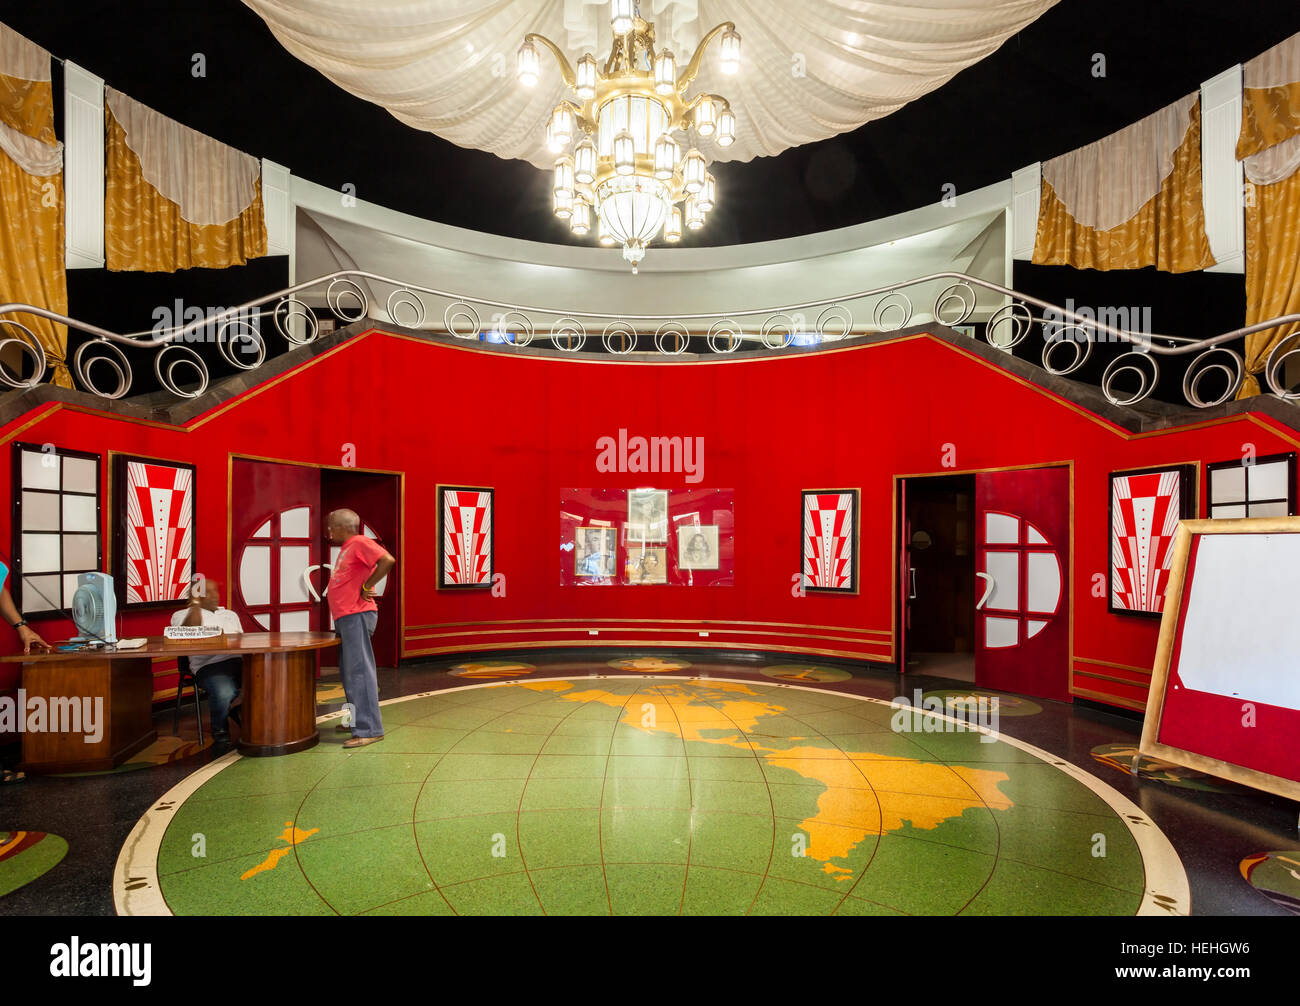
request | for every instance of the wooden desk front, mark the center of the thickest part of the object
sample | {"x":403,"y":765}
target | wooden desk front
{"x":279,"y":689}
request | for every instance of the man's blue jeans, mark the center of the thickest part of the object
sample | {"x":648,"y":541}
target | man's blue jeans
{"x":221,"y":681}
{"x":357,"y":669}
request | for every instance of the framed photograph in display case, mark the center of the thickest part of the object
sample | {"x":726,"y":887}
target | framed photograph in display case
{"x":1146,"y":505}
{"x":647,"y":515}
{"x":646,"y":564}
{"x":829,"y":560}
{"x":595,"y":552}
{"x":466,"y":536}
{"x":153,"y":530}
{"x":697,"y":546}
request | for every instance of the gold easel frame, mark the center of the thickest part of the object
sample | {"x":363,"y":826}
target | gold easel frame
{"x":1151,"y":747}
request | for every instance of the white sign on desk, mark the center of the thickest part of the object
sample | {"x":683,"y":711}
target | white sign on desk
{"x":192,"y":633}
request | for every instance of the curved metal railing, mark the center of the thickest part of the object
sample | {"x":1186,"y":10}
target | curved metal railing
{"x":1069,"y":337}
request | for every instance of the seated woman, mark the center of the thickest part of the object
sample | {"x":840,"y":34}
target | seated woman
{"x":219,"y":676}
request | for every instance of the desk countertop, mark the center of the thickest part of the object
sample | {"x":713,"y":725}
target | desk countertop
{"x":235,"y":645}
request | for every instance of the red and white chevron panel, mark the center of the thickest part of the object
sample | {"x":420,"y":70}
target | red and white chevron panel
{"x":828,"y":541}
{"x":159,"y":532}
{"x":1145,"y":510}
{"x":466,"y":537}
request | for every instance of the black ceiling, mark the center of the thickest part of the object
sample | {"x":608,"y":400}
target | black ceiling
{"x":1033,"y":99}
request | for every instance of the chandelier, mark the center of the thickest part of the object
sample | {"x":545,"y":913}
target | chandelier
{"x":626,"y":164}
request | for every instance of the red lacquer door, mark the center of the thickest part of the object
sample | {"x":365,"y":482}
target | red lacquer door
{"x":1022,"y":620}
{"x":274,"y":515}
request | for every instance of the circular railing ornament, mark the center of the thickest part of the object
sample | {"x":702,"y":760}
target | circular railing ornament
{"x":460,"y":311}
{"x":1273,"y":369}
{"x":240,"y":330}
{"x":826,"y":319}
{"x":513,"y":328}
{"x":167,"y":374}
{"x":120,"y":366}
{"x":286,"y":311}
{"x":1016,"y":318}
{"x":728,"y":328}
{"x":568,"y":335}
{"x":1235,"y":372}
{"x":343,"y":291}
{"x":895,"y":301}
{"x":411,"y":301}
{"x":965,"y":299}
{"x":27,"y":343}
{"x":1149,"y":374}
{"x":626,"y":338}
{"x":778,"y":331}
{"x":1081,"y":345}
{"x":680,"y":335}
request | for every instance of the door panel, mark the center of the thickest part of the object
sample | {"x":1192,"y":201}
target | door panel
{"x":376,"y":500}
{"x":1022,"y":627}
{"x":274,"y":510}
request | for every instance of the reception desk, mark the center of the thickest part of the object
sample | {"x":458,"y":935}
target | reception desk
{"x":111,"y":691}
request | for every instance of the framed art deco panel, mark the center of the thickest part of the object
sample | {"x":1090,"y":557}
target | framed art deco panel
{"x":465,"y":535}
{"x":829,"y":562}
{"x":1145,"y":508}
{"x":153,"y":530}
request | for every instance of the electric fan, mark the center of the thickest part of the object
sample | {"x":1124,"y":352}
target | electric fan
{"x":94,"y":608}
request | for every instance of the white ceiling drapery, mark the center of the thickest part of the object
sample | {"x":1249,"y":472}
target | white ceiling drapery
{"x":810,"y":69}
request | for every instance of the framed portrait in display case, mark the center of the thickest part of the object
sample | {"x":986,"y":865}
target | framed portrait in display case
{"x":697,"y":546}
{"x":595,"y":551}
{"x":646,"y":565}
{"x":647,"y":515}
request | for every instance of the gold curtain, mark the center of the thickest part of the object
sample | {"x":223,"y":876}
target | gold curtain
{"x":32,"y":269}
{"x":1272,"y":269}
{"x":1269,"y":115}
{"x":144,"y":230}
{"x":1168,"y":232}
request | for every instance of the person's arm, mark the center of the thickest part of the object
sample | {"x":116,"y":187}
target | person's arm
{"x":193,"y":614}
{"x":383,"y":566}
{"x":26,"y":635}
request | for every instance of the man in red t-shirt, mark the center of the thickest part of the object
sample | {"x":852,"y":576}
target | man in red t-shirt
{"x":362,"y":563}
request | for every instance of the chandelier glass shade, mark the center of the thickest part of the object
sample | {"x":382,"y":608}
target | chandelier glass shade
{"x":627,"y":164}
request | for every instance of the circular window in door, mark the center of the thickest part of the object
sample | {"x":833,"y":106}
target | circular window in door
{"x":269,"y":571}
{"x":1021,"y":581}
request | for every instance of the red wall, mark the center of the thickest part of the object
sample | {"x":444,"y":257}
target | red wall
{"x":528,"y":427}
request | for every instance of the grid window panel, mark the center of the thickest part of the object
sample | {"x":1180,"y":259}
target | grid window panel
{"x":40,"y":470}
{"x":56,"y":524}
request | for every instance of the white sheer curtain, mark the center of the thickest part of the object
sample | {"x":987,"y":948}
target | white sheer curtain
{"x":22,"y":58}
{"x":211,"y":183}
{"x":810,"y":68}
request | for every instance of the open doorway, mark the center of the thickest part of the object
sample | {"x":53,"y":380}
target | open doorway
{"x":277,"y":532}
{"x":938,"y":555}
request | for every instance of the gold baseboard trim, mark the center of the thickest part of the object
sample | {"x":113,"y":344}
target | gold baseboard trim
{"x":655,"y":643}
{"x":1113,"y":700}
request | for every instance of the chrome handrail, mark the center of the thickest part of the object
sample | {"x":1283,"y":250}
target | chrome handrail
{"x":348,"y":298}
